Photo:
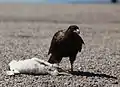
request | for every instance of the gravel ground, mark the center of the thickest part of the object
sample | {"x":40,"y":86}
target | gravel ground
{"x":26,"y":31}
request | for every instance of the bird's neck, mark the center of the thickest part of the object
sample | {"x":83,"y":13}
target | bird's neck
{"x":67,"y":33}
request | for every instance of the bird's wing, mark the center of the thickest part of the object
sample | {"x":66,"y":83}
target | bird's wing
{"x":79,"y":41}
{"x":82,"y":41}
{"x":78,"y":38}
{"x":57,"y":38}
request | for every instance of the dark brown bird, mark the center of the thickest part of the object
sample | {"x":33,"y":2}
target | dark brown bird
{"x":65,"y":43}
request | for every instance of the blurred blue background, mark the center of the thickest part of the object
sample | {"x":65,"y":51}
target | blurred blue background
{"x":56,"y":1}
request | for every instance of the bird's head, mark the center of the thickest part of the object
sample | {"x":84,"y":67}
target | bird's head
{"x":73,"y":28}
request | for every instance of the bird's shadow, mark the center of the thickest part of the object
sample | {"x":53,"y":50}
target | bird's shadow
{"x":90,"y":74}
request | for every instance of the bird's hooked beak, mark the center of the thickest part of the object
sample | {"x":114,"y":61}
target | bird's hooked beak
{"x":77,"y":31}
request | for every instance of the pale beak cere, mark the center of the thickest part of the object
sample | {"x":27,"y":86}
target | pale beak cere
{"x":77,"y":31}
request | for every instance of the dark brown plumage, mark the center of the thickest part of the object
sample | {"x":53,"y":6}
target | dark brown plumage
{"x":65,"y":43}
